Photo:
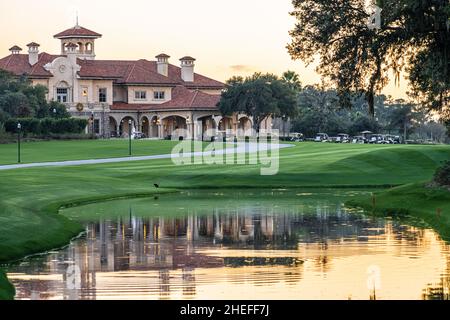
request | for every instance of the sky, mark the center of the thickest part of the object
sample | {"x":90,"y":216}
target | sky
{"x":232,"y":37}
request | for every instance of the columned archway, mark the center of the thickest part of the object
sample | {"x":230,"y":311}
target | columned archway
{"x":124,"y":128}
{"x":154,"y":127}
{"x":205,"y":124}
{"x":113,"y":128}
{"x":225,"y":126}
{"x":173,"y":123}
{"x":245,"y":124}
{"x":145,"y":126}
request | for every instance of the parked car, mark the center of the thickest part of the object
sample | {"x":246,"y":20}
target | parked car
{"x":343,"y":138}
{"x":322,"y":137}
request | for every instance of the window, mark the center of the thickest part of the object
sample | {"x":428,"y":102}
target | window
{"x":140,"y":95}
{"x":102,"y":95}
{"x":159,"y":95}
{"x":62,"y":95}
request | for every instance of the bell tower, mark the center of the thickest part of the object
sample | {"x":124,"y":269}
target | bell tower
{"x":83,"y":38}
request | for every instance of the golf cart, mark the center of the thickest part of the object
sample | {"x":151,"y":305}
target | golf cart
{"x":376,"y":139}
{"x":296,"y":137}
{"x":138,"y":136}
{"x":393,"y":139}
{"x":322,"y":137}
{"x":359,"y":140}
{"x":343,"y":138}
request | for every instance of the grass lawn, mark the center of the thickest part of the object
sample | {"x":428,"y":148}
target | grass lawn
{"x":50,"y":151}
{"x":30,"y":198}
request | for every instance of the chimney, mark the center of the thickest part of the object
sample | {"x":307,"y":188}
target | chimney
{"x":33,"y":53}
{"x":72,"y":51}
{"x":15,"y":50}
{"x":187,"y":69}
{"x":163,"y":64}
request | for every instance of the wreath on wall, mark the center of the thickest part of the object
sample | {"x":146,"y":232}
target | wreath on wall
{"x":80,"y":107}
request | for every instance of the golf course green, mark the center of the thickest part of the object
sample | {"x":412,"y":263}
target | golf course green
{"x":31,"y":198}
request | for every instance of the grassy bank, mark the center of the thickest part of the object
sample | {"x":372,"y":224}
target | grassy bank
{"x":7,"y":291}
{"x":29,"y":200}
{"x":429,"y":204}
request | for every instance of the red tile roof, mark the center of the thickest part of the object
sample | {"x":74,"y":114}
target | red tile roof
{"x":18,"y":64}
{"x":141,"y":72}
{"x":33,"y":44}
{"x":77,"y":31}
{"x":182,"y":98}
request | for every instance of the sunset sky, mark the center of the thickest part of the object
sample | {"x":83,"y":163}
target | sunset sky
{"x":233,"y":37}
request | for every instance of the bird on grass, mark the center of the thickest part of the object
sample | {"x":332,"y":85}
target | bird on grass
{"x":156,"y":185}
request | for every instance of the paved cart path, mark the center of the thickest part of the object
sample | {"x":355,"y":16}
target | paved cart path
{"x":241,"y":148}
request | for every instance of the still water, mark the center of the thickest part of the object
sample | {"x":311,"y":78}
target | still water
{"x":239,"y":245}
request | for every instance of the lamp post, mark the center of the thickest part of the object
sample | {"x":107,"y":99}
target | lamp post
{"x":93,"y":125}
{"x":129,"y":134}
{"x":54,"y":112}
{"x":19,"y":127}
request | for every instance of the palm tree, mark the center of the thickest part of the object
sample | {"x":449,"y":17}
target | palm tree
{"x":293,"y":80}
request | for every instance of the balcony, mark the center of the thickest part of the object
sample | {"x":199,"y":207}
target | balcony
{"x":87,"y":107}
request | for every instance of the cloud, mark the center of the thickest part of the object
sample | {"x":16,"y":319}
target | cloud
{"x":242,"y":68}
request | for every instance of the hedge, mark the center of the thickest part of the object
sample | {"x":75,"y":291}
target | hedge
{"x":46,"y":126}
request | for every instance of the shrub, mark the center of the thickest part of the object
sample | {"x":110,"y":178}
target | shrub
{"x":442,"y":175}
{"x":47,"y":126}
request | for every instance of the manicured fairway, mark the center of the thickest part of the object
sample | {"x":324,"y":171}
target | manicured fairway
{"x":30,"y":198}
{"x":50,"y":151}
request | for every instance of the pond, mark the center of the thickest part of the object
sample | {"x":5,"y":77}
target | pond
{"x":276,"y":244}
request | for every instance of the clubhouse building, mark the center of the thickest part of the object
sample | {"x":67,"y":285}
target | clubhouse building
{"x":155,"y":96}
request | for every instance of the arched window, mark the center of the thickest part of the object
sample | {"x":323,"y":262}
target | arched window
{"x":62,"y":92}
{"x":88,"y":47}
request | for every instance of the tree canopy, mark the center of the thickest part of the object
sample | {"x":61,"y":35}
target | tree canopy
{"x":293,"y":80}
{"x":259,"y":96}
{"x":319,"y":112}
{"x":20,"y":99}
{"x":413,"y":36}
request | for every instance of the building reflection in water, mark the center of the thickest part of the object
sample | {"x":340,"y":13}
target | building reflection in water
{"x":254,"y":247}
